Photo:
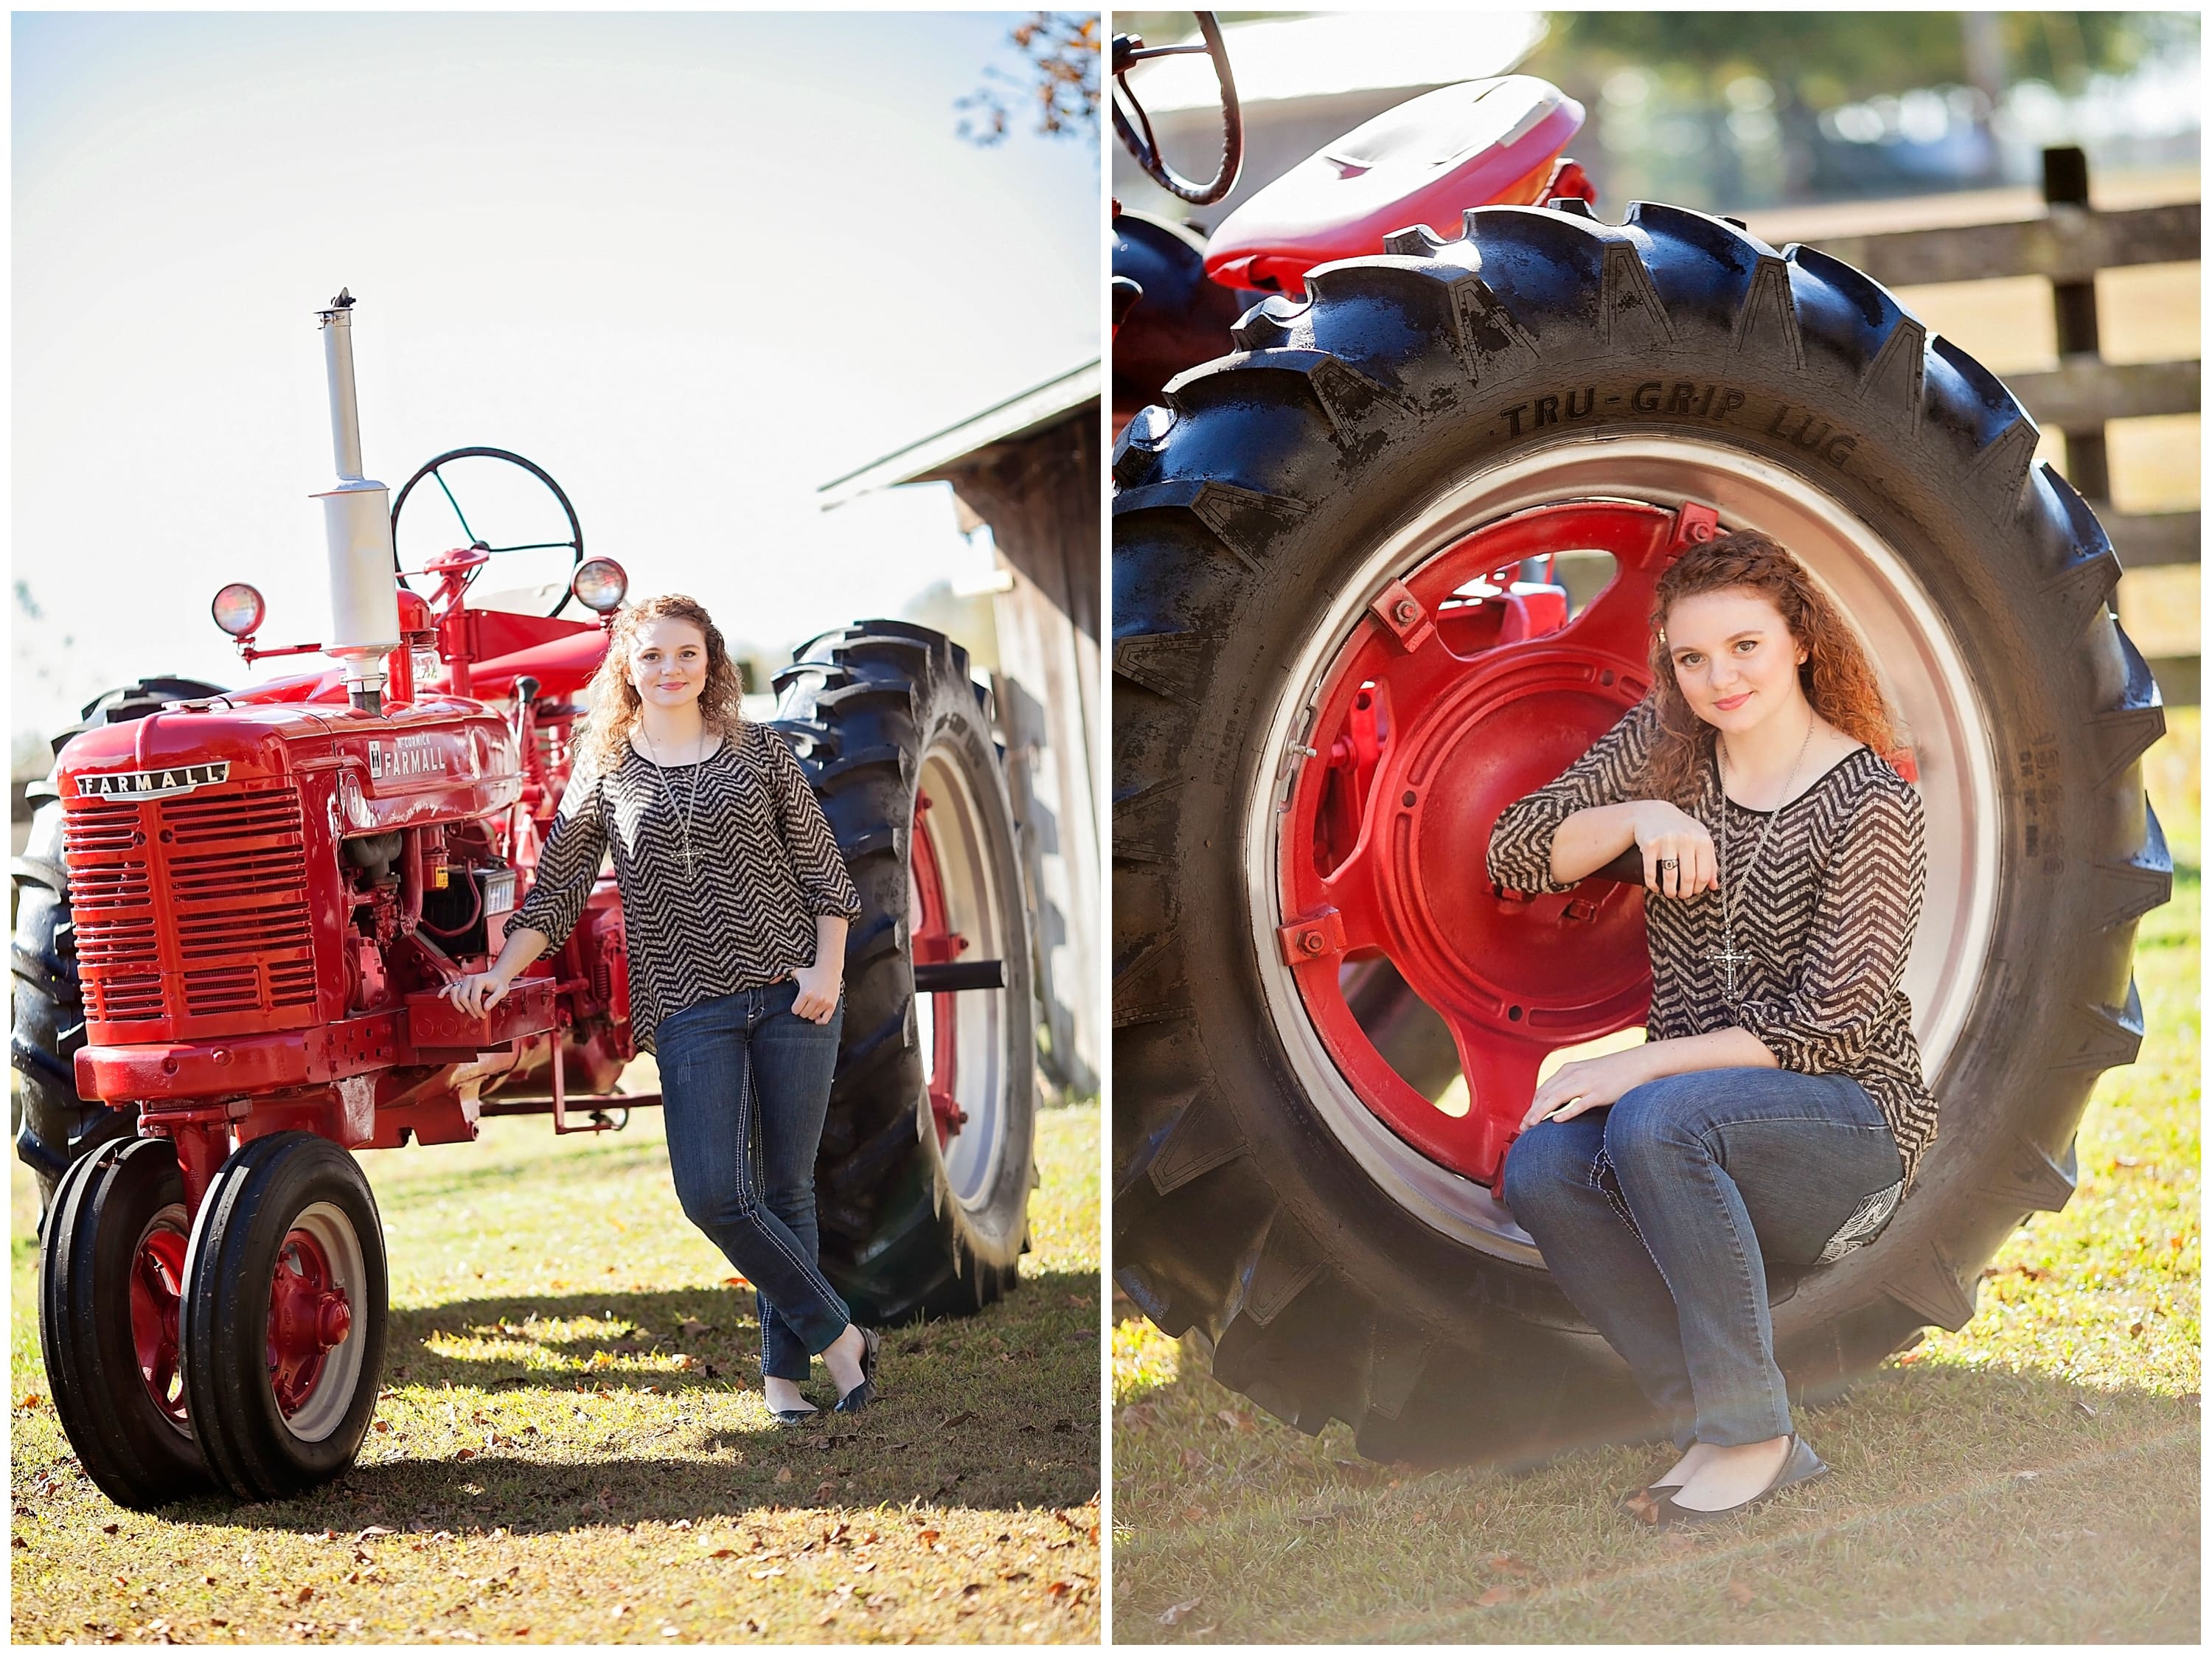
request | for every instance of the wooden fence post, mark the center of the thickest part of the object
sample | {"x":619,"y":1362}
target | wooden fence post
{"x":2066,"y":185}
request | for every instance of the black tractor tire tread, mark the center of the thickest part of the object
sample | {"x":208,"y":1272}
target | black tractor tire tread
{"x":894,"y":1242}
{"x":1264,"y":455}
{"x":136,"y":1460}
{"x":227,"y":1391}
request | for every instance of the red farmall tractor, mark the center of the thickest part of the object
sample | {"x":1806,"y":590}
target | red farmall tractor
{"x":235,"y":917}
{"x":1404,"y":444}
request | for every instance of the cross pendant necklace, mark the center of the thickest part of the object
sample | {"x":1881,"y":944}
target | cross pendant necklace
{"x":691,"y":802}
{"x":1727,"y":957}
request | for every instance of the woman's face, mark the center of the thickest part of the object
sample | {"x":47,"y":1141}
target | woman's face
{"x":1734,"y":658}
{"x":668,"y":663}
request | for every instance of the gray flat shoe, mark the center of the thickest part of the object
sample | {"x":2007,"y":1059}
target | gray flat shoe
{"x":1800,"y":1465}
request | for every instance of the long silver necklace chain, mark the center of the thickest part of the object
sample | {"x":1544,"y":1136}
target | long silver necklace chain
{"x":691,"y":800}
{"x":1727,"y":959}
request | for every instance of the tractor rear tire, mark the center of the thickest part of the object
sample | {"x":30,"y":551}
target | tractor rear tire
{"x":108,"y":1283}
{"x":52,"y":1125}
{"x":1330,"y":1270}
{"x":878,"y":713}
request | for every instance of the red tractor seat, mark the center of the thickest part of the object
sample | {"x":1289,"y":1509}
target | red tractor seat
{"x":1476,"y":144}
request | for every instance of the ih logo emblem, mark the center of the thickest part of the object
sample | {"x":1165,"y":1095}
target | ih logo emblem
{"x":150,"y":785}
{"x":406,"y":756}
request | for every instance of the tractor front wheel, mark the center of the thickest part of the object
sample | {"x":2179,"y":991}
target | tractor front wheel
{"x":284,"y":1316}
{"x":111,"y":1274}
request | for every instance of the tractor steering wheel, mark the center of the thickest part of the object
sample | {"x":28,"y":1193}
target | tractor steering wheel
{"x":575,"y":541}
{"x":1137,"y":138}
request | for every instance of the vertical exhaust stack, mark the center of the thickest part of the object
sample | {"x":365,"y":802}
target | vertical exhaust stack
{"x":357,"y":525}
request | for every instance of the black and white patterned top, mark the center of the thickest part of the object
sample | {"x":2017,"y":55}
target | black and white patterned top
{"x":767,"y":865}
{"x":1827,"y":916}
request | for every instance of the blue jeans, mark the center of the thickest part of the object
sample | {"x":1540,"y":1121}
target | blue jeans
{"x":744,"y":1086}
{"x":1657,"y":1218}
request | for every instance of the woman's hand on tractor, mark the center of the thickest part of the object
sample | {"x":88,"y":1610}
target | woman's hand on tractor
{"x":477,"y":992}
{"x":1678,"y":850}
{"x":1586,"y":1083}
{"x":817,"y":992}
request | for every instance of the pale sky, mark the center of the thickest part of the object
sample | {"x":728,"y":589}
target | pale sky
{"x":695,"y":266}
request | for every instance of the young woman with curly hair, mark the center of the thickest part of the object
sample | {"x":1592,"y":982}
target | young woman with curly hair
{"x":1778,"y":1108}
{"x":736,"y":901}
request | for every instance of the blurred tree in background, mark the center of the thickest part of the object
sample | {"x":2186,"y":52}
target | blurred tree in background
{"x":1059,"y":83}
{"x":1832,"y":58}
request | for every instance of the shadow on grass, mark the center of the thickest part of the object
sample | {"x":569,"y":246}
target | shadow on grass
{"x":1963,"y":1504}
{"x":723,"y":1336}
{"x":988,"y":1412}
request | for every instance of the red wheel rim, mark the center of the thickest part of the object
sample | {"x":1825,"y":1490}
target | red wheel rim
{"x":308,"y":1316}
{"x":157,"y":1283}
{"x":935,"y":943}
{"x":1441,"y":708}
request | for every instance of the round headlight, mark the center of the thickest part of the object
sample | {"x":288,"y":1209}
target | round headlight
{"x":600,"y":584}
{"x":237,"y":609}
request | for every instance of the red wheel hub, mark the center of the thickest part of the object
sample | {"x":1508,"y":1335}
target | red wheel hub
{"x":308,"y":1316}
{"x":157,"y":1286}
{"x":935,"y":943}
{"x":1441,"y":709}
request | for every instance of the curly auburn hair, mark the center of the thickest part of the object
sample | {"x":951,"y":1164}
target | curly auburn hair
{"x":615,"y":704}
{"x":1836,"y":675}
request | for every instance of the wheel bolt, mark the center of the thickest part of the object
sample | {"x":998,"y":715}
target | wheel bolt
{"x":1405,"y":610}
{"x":1312,"y":941}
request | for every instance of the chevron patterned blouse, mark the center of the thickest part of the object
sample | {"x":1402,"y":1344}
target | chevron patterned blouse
{"x":766,"y":866}
{"x":1826,"y":917}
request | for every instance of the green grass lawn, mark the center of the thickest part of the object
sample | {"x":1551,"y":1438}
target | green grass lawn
{"x":572,"y":1446}
{"x":2032,"y":1478}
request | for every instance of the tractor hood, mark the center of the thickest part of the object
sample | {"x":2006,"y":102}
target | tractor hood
{"x":434,"y":761}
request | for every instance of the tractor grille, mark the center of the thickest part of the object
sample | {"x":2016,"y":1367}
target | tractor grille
{"x":192,"y":910}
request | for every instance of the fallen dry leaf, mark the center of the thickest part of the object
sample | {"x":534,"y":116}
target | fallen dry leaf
{"x":1175,"y":1613}
{"x":1739,"y":1594}
{"x":1500,"y":1594}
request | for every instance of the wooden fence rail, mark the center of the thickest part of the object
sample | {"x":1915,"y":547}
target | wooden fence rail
{"x":2068,"y":246}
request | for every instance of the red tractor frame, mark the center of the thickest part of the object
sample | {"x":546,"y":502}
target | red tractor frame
{"x":257,"y":896}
